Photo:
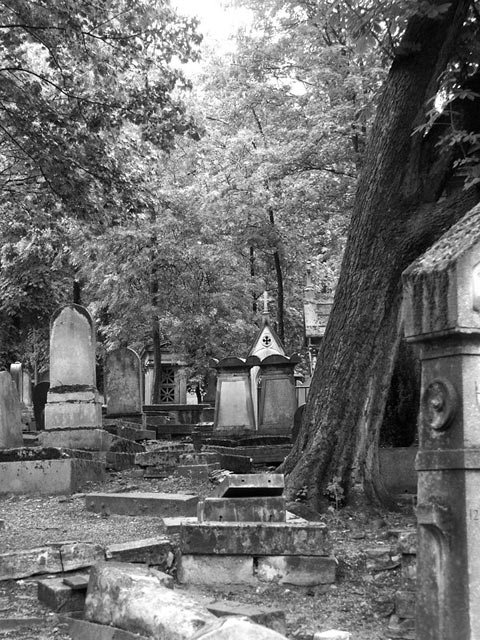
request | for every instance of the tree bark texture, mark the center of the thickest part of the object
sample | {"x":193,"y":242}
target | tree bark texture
{"x":399,"y":211}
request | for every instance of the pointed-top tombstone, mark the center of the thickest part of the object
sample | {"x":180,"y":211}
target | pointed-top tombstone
{"x":10,"y":413}
{"x":266,"y":342}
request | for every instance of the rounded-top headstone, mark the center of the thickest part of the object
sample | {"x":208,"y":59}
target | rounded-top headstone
{"x":10,"y":413}
{"x":72,"y":348}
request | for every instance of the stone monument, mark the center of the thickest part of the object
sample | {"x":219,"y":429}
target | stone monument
{"x":73,"y":399}
{"x":123,"y":383}
{"x":278,"y":400}
{"x":442,"y":316}
{"x":10,"y":413}
{"x":233,"y":405}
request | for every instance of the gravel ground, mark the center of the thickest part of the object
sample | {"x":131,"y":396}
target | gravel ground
{"x":360,"y":602}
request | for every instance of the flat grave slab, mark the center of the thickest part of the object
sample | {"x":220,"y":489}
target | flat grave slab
{"x":197,"y":472}
{"x":250,"y":485}
{"x":173,"y":525}
{"x":142,"y":504}
{"x":131,"y":432}
{"x":256,"y":509}
{"x":49,"y":477}
{"x":255,"y":539}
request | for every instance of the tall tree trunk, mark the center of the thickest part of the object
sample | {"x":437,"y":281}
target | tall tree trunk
{"x":156,"y":340}
{"x":279,"y":278}
{"x":397,"y":214}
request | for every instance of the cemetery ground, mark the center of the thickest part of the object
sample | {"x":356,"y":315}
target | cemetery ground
{"x":361,"y":601}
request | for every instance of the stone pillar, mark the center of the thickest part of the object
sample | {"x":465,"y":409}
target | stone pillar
{"x":123,"y":383}
{"x":442,"y":315}
{"x":72,"y":400}
{"x":278,"y":398}
{"x":233,"y":403}
{"x":10,"y":413}
{"x":16,"y":371}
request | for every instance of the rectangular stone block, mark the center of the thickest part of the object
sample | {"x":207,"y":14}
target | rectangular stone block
{"x":58,"y":596}
{"x":215,"y":570}
{"x":261,"y":509}
{"x":114,"y":460}
{"x":273,"y":453}
{"x":248,"y":538}
{"x":151,"y":551}
{"x":49,"y":559}
{"x":84,"y":630}
{"x":49,"y":477}
{"x":268,"y":617}
{"x":77,"y":581}
{"x":146,"y":504}
{"x":305,"y":571}
{"x":200,"y":457}
{"x":250,"y":485}
{"x":167,"y":455}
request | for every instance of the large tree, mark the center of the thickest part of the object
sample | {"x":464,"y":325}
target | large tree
{"x":404,"y":201}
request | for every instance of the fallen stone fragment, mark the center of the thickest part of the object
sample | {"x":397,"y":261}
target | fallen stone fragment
{"x":197,"y":472}
{"x":49,"y":559}
{"x":59,"y":597}
{"x":173,"y":526}
{"x":151,"y":551}
{"x":132,"y":598}
{"x":77,"y":581}
{"x":255,"y":539}
{"x":268,"y":617}
{"x":405,"y":604}
{"x":237,"y":629}
{"x":142,"y":504}
{"x":84,"y":630}
{"x":332,"y":634}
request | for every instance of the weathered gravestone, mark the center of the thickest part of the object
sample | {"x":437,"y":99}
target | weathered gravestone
{"x":72,"y":399}
{"x":123,"y":385}
{"x":442,"y":315}
{"x":10,"y":413}
{"x":278,"y":400}
{"x":23,"y":383}
{"x":234,"y":405}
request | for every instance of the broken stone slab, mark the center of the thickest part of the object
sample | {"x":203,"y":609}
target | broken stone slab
{"x":57,"y":558}
{"x":255,"y":539}
{"x":250,"y":485}
{"x":89,"y":438}
{"x":197,"y":472}
{"x":142,"y":504}
{"x":77,"y":581}
{"x":268,"y":617}
{"x":150,"y":551}
{"x":202,"y":457}
{"x":215,"y":570}
{"x":258,"y":509}
{"x":379,"y":558}
{"x":300,"y":571}
{"x":19,"y":622}
{"x":25,"y":454}
{"x":404,"y":629}
{"x":49,"y":477}
{"x":133,"y":598}
{"x":236,"y":628}
{"x":84,"y":630}
{"x":56,"y":595}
